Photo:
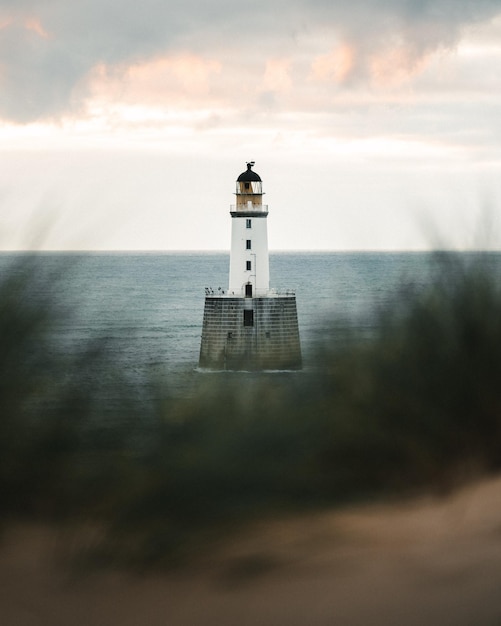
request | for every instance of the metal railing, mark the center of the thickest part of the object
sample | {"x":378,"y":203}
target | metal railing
{"x":260,"y":293}
{"x":249,"y":208}
{"x":281,"y":292}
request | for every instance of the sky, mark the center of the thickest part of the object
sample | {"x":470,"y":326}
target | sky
{"x":374,"y":124}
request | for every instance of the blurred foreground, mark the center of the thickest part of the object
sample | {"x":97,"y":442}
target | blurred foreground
{"x":240,"y":494}
{"x":427,"y":561}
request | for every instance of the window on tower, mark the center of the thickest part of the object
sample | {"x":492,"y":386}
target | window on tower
{"x":248,"y":223}
{"x":249,"y":318}
{"x":247,"y":186}
{"x":248,"y":244}
{"x":248,"y":265}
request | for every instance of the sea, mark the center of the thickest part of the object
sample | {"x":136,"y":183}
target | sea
{"x":148,"y":307}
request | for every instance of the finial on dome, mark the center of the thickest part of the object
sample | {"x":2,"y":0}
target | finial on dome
{"x":249,"y":175}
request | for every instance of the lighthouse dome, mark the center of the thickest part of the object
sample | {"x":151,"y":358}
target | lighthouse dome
{"x":249,"y":176}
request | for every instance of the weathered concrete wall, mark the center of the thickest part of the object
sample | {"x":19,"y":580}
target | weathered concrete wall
{"x":272,"y":342}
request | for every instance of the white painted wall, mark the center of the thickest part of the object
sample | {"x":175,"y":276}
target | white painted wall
{"x":259,"y":274}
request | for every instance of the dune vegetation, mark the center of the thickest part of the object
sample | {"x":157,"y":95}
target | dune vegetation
{"x":414,"y":406}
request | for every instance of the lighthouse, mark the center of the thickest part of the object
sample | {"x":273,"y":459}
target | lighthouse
{"x":249,"y":263}
{"x":250,"y":326}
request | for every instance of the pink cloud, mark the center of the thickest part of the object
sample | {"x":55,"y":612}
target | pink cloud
{"x":35,"y":26}
{"x":337,"y":65}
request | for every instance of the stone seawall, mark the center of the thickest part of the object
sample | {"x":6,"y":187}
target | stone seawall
{"x":250,"y":333}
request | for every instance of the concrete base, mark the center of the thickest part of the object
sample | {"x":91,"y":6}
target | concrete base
{"x":250,"y":333}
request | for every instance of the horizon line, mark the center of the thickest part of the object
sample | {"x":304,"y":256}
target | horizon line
{"x":227,"y":251}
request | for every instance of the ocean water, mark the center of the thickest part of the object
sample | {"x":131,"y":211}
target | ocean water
{"x":148,"y":307}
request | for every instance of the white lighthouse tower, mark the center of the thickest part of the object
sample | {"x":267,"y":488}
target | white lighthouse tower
{"x":250,"y":326}
{"x":249,"y":263}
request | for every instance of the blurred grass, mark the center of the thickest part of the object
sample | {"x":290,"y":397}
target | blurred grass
{"x":417,"y":405}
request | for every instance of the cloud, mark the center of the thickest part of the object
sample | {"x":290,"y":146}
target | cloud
{"x":336,"y":65}
{"x":49,"y":51}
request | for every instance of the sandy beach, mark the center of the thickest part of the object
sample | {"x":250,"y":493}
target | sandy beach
{"x":425,"y":561}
